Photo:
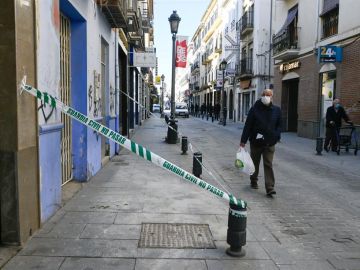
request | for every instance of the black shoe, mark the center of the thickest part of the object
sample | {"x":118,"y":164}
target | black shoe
{"x":326,"y":148}
{"x":271,"y":192}
{"x":254,"y":185}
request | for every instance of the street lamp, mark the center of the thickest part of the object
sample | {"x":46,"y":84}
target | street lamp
{"x":174,"y":21}
{"x":223,"y":65}
{"x":162,"y":94}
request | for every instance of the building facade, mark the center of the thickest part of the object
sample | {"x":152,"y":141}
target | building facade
{"x":316,"y":51}
{"x":254,"y":71}
{"x":241,"y":34}
{"x":81,"y":55}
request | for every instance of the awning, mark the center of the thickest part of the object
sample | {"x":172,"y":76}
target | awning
{"x":289,"y":19}
{"x":329,"y":5}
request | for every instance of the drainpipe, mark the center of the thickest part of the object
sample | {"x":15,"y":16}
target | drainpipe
{"x":270,"y":40}
{"x":117,"y":83}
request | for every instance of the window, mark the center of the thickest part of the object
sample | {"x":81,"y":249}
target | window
{"x":330,"y":23}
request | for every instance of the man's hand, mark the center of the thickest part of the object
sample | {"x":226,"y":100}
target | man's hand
{"x":242,"y":144}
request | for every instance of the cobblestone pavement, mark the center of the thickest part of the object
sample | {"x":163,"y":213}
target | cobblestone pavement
{"x":312,"y":223}
{"x":315,"y":218}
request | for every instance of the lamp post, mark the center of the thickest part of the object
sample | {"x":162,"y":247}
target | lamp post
{"x":162,"y":94}
{"x":174,"y":20}
{"x":223,"y":110}
{"x":172,"y":135}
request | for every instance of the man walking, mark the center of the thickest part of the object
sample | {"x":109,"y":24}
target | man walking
{"x":262,"y":128}
{"x":334,"y":115}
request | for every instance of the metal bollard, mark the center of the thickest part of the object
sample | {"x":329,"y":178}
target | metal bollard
{"x":236,"y":233}
{"x":207,"y":116}
{"x":184,"y":144}
{"x":225,"y":115}
{"x":319,"y":145}
{"x":197,"y":161}
{"x":172,"y":136}
{"x":212,"y":118}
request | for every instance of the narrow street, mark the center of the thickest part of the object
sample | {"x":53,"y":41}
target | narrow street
{"x":312,"y":223}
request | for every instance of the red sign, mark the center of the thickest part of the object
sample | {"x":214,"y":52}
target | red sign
{"x":181,"y":53}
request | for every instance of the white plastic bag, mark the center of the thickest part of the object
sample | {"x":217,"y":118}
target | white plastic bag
{"x":244,"y":162}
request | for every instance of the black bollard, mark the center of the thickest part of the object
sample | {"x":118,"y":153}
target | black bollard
{"x":319,"y":145}
{"x":225,"y":115}
{"x":212,"y":118}
{"x":172,"y":136}
{"x":236,"y":233}
{"x":197,"y":161}
{"x":184,"y":144}
{"x":207,"y":117}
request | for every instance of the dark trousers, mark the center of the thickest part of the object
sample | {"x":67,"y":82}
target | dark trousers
{"x":331,"y":135}
{"x":267,"y":152}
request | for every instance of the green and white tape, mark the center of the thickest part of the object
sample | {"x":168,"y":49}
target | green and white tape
{"x":130,"y":145}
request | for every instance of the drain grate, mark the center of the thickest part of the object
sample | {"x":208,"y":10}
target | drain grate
{"x":175,"y":235}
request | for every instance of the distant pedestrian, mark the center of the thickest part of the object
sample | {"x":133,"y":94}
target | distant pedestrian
{"x":203,"y":110}
{"x":211,"y":112}
{"x":217,"y":111}
{"x":334,"y":115}
{"x":192,"y":109}
{"x":262,"y":128}
{"x":196,"y":109}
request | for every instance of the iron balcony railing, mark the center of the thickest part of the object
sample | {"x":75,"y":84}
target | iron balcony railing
{"x":246,"y":65}
{"x":330,"y":24}
{"x":115,"y":12}
{"x":247,"y":22}
{"x":287,"y":39}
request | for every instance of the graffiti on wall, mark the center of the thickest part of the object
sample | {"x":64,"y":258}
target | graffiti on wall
{"x":47,"y":111}
{"x":112,"y":101}
{"x":94,"y":96}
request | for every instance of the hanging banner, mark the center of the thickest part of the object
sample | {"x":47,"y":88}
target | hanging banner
{"x":219,"y":79}
{"x":181,"y":51}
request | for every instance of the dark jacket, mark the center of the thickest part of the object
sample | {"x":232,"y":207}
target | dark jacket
{"x":264,"y":120}
{"x":336,"y":116}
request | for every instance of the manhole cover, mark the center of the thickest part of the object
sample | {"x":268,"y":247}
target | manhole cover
{"x":176,"y":235}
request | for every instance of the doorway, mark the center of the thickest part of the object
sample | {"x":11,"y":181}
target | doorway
{"x":290,"y":97}
{"x":231,"y":104}
{"x":65,"y":96}
{"x":105,"y":151}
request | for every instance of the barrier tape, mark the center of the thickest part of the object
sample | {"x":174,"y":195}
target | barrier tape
{"x":130,"y":145}
{"x":179,"y":134}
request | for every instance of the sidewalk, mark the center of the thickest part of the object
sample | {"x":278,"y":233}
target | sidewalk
{"x":101,"y":226}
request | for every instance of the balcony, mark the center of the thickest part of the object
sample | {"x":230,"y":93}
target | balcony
{"x":285,"y":44}
{"x":134,"y":25}
{"x":330,"y":23}
{"x":246,"y":68}
{"x":195,"y":68}
{"x":115,"y":12}
{"x":247,"y":23}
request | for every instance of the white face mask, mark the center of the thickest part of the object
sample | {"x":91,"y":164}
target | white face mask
{"x":266,"y":100}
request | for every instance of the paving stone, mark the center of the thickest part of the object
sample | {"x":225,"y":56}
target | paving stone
{"x":34,"y":262}
{"x":345,"y":264}
{"x":241,"y":264}
{"x":261,"y":233}
{"x":97,"y":264}
{"x":64,"y":247}
{"x":307,"y":265}
{"x":173,"y":264}
{"x":106,"y":231}
{"x":90,"y":217}
{"x":63,"y":230}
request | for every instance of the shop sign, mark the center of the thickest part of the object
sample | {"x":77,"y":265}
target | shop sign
{"x":289,"y":66}
{"x":329,"y":54}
